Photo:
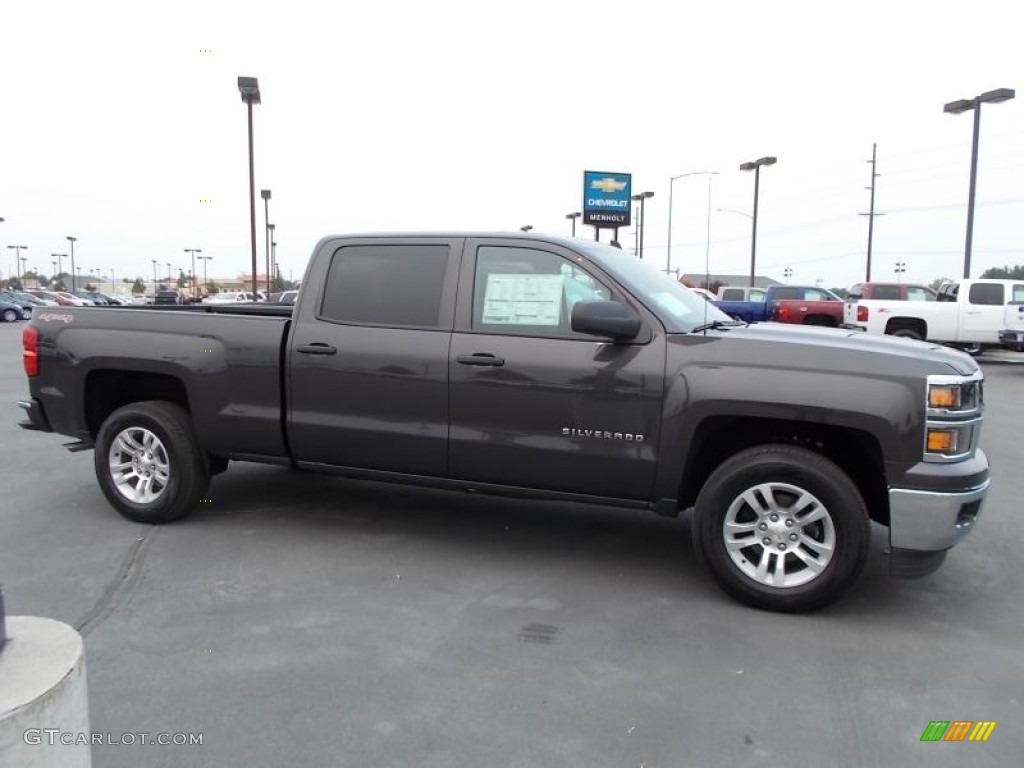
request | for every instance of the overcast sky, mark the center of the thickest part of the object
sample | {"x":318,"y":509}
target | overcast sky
{"x":117,"y":124}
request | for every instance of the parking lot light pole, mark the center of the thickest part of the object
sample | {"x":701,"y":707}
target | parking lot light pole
{"x":206,"y":282}
{"x":955,"y":108}
{"x":17,"y":258}
{"x":671,"y":183}
{"x":249,"y":87}
{"x":273,"y":254}
{"x":154,"y":276}
{"x":72,"y":240}
{"x":193,"y":251}
{"x":755,"y":166}
{"x":265,"y":194}
{"x":642,"y":196}
{"x":572,"y":217}
{"x":168,"y":275}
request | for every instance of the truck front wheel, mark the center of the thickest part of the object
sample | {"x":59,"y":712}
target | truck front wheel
{"x":149,"y":463}
{"x":782,"y":528}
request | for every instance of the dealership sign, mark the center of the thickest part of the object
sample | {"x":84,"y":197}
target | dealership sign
{"x":606,"y":198}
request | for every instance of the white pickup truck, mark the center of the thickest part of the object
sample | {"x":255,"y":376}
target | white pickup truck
{"x":968,"y":313}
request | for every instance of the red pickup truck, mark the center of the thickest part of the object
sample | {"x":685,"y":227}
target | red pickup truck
{"x":806,"y":306}
{"x":891,"y":292}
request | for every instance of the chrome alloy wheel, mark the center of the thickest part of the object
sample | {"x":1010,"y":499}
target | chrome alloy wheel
{"x":779,"y":535}
{"x":139,"y":466}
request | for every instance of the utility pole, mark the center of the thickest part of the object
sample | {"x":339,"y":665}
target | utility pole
{"x":871,"y":214}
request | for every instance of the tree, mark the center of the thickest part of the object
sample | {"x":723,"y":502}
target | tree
{"x":138,"y":286}
{"x":842,"y":293}
{"x":1005,"y":273}
{"x":44,"y":281}
{"x":14,"y":284}
{"x":937,"y":282}
{"x":89,"y":287}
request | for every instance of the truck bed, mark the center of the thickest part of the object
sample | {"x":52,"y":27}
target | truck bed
{"x":224,"y":364}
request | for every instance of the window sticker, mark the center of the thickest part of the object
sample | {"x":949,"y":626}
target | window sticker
{"x":523,"y":300}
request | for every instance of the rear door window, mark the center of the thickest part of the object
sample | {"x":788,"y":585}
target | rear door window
{"x":386,"y":285}
{"x":785,"y":294}
{"x":732,"y":294}
{"x":987,"y":294}
{"x":886,"y":292}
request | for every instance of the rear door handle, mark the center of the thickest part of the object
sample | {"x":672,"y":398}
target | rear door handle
{"x":480,"y":358}
{"x":317,"y":348}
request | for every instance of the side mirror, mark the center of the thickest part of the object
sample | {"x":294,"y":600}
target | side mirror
{"x":605,"y":318}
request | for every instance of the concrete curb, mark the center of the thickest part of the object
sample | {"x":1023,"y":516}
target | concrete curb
{"x":43,"y":686}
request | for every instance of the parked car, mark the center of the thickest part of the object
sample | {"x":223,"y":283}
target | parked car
{"x":233,"y":297}
{"x":36,"y":301}
{"x":169,"y":297}
{"x":753,"y":305}
{"x":91,"y":297}
{"x":11,"y":312}
{"x":287,"y":297}
{"x":968,"y":313}
{"x":805,"y":306}
{"x":76,"y":301}
{"x":57,"y":297}
{"x":462,"y":361}
{"x":27,"y":304}
{"x":891,"y":292}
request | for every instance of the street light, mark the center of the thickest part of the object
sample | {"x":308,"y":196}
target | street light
{"x":24,"y":261}
{"x":72,"y":240}
{"x":265,"y":194}
{"x":671,"y":182}
{"x":526,"y":227}
{"x":273,"y":251}
{"x":194,"y":251}
{"x":154,"y":276}
{"x":249,"y":87}
{"x":17,"y":258}
{"x":206,"y":282}
{"x":642,"y":196}
{"x":955,"y":108}
{"x":572,"y":217}
{"x":270,"y":233}
{"x":901,"y":267}
{"x":168,"y":275}
{"x":756,"y":167}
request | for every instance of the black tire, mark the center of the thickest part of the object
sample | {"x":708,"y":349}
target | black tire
{"x":781,"y":469}
{"x":187,"y":467}
{"x":907,"y":333}
{"x":10,"y":316}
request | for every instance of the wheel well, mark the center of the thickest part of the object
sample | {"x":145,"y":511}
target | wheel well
{"x":106,"y":391}
{"x":856,"y":452}
{"x":907,"y":323}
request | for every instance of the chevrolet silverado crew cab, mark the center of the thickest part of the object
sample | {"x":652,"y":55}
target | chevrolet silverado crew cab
{"x":540,"y":367}
{"x":968,"y":314}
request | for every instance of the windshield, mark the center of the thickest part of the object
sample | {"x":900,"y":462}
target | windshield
{"x":679,"y":308}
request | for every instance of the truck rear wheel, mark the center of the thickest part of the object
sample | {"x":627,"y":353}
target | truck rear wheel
{"x":782,"y":528}
{"x":149,"y":463}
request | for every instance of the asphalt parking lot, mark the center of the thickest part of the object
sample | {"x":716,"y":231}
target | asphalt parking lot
{"x":301,"y":619}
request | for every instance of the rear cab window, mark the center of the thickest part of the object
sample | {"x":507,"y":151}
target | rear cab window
{"x":987,"y":294}
{"x":386,"y":285}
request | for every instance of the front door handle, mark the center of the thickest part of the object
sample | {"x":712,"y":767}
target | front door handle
{"x":480,"y":358}
{"x":317,"y":348}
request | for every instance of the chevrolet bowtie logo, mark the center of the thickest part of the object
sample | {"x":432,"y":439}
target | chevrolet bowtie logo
{"x":608,"y":185}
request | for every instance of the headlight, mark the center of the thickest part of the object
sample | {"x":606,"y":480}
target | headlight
{"x":953,"y":423}
{"x":944,"y":396}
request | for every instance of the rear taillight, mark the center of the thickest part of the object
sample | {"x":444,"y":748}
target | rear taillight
{"x":862,"y":314}
{"x":783,"y":313}
{"x":30,"y":350}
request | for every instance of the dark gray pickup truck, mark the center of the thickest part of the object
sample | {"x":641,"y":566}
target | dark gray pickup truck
{"x":540,"y":367}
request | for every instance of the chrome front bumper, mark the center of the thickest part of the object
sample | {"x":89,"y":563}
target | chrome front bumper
{"x":932,"y":521}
